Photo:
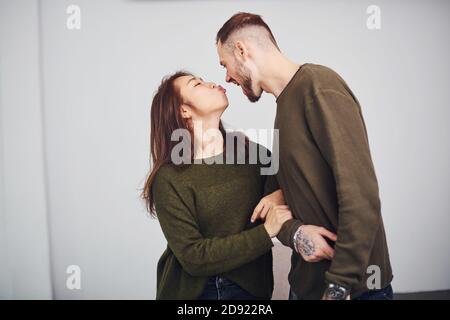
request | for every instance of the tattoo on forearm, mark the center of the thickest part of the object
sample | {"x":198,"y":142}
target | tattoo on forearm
{"x":303,"y":243}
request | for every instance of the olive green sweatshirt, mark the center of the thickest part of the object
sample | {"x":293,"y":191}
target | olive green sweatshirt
{"x":328,"y":179}
{"x":204,"y":211}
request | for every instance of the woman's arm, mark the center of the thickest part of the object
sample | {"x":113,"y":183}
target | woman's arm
{"x":201,"y":256}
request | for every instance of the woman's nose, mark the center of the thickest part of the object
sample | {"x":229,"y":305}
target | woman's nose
{"x":212,"y":85}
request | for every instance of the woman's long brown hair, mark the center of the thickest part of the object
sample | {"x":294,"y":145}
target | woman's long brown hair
{"x":165,"y":117}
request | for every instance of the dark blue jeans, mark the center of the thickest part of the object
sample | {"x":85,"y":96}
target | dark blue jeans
{"x":382,"y":294}
{"x":220,"y":288}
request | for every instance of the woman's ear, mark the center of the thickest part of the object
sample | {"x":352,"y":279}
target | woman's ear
{"x":185,"y":112}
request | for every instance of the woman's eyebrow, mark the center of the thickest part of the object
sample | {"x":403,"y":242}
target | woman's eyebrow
{"x":193,"y":78}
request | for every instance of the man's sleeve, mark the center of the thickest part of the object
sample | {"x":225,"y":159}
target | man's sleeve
{"x":337,"y":126}
{"x":287,"y":232}
{"x":270,"y":185}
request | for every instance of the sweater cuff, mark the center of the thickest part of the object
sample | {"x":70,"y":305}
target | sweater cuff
{"x":262,"y":238}
{"x":287,"y":232}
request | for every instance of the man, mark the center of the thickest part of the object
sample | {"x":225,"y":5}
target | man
{"x":326,"y":172}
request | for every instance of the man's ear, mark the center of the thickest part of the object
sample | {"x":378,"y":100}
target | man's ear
{"x":241,"y":50}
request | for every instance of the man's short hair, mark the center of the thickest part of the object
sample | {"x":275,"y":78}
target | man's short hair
{"x":239,"y":21}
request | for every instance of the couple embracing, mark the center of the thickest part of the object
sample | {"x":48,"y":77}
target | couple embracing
{"x":219,"y":216}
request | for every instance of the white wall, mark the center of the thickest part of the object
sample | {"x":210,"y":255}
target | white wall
{"x":97,"y":87}
{"x":24,"y":237}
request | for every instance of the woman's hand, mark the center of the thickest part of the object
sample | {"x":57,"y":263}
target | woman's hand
{"x":275,"y":219}
{"x":276,"y":198}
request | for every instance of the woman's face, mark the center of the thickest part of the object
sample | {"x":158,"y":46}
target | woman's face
{"x":200,"y":99}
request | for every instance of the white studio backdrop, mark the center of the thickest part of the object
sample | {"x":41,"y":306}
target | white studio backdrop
{"x":74,"y":108}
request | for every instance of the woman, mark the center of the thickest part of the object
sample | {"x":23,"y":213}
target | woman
{"x":214,"y":251}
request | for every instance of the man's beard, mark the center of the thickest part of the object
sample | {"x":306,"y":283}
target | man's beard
{"x":247,"y":84}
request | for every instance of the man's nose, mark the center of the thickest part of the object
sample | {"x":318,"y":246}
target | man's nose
{"x":227,"y":78}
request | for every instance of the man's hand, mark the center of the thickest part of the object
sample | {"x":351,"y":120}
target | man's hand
{"x":265,"y":204}
{"x":310,"y":243}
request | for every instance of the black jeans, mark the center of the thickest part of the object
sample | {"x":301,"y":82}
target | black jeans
{"x":382,"y":294}
{"x":220,"y":288}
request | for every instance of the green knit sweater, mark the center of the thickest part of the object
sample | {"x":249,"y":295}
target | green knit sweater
{"x":204,"y":211}
{"x":328,"y":180}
